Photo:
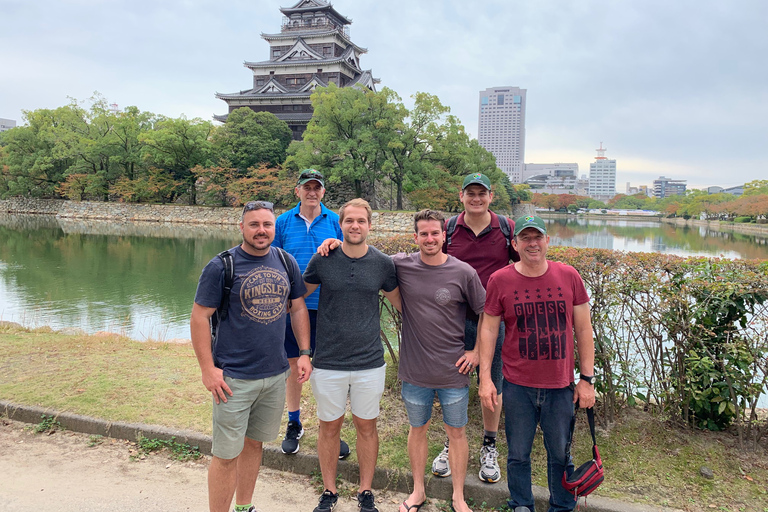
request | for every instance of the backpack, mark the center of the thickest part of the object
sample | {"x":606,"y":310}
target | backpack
{"x":450,"y":228}
{"x":229,"y":280}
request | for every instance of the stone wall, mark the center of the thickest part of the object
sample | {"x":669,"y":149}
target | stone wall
{"x":716,"y":225}
{"x":383,"y":221}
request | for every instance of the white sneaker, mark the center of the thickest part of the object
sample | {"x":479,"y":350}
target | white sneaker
{"x":489,"y":467}
{"x":440,"y":466}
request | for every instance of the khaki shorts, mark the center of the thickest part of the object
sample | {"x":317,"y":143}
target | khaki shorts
{"x":254,"y":411}
{"x":364,"y":388}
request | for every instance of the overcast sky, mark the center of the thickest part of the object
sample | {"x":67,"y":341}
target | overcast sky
{"x":676,"y":88}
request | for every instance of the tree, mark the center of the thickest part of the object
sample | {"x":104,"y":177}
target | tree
{"x":176,"y":146}
{"x":251,"y":138}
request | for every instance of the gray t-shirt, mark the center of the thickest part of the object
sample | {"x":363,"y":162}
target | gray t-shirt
{"x":348,"y":311}
{"x":435,"y":300}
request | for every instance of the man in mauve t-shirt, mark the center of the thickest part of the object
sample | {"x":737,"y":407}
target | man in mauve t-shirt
{"x":436,"y":291}
{"x":543,"y":305}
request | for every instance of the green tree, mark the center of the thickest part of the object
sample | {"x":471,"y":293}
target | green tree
{"x":176,"y":146}
{"x":250,"y":138}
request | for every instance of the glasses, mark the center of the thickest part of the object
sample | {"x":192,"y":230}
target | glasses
{"x":258,"y":205}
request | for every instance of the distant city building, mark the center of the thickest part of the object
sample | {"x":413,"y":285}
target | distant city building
{"x":558,"y":178}
{"x":501,"y":128}
{"x":313,"y":49}
{"x":665,"y":187}
{"x":736,"y":191}
{"x":602,"y":176}
{"x":6,"y":124}
{"x":640,"y":189}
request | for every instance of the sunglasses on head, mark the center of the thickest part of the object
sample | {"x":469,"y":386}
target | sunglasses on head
{"x":258,"y":205}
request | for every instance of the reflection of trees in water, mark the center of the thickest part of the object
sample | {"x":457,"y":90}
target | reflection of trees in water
{"x":102,"y":278}
{"x":660,"y":236}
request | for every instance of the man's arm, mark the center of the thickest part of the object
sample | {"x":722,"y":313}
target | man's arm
{"x":311,"y":287}
{"x":486,"y":346}
{"x":327,"y":246}
{"x":300,"y":327}
{"x":471,"y":358}
{"x":584,"y":393}
{"x":394,"y":298}
{"x":200,"y":329}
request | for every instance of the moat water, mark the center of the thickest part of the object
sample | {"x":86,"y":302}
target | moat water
{"x":139,"y":279}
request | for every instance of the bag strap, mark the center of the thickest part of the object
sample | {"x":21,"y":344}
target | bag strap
{"x":450,"y":228}
{"x":591,"y":421}
{"x":282,"y":254}
{"x":229,"y":281}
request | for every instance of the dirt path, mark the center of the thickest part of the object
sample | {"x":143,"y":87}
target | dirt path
{"x":62,"y":472}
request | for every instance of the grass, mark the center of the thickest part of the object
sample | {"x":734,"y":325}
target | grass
{"x":115,"y":378}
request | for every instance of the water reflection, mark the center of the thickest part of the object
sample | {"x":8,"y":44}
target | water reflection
{"x":655,"y":236}
{"x":139,"y":279}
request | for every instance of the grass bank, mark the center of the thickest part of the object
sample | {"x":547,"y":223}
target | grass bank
{"x":158,"y":383}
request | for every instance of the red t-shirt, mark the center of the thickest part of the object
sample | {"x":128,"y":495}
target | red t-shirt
{"x":487,"y":252}
{"x":538,"y":314}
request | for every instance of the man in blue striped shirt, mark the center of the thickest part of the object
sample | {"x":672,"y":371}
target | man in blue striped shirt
{"x":300,"y":231}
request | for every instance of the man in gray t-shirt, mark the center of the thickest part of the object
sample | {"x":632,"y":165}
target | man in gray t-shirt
{"x":349,"y":358}
{"x":436,"y":290}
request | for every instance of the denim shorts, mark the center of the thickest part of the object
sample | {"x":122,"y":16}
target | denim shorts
{"x":291,"y":345}
{"x":419,"y":402}
{"x":470,"y":337}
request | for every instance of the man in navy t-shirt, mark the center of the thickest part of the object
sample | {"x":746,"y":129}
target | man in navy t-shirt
{"x":245,"y":368}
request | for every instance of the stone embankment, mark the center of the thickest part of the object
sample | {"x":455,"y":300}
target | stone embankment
{"x":399,"y":222}
{"x":716,"y":225}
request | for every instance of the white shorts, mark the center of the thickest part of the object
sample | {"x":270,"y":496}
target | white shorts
{"x":364,"y":388}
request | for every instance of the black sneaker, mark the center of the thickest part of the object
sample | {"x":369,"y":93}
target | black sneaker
{"x":293,"y":433}
{"x":343,"y":450}
{"x":365,"y":502}
{"x":327,"y":502}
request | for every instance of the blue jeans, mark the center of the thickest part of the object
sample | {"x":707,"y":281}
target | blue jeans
{"x":524,"y":408}
{"x":470,"y":337}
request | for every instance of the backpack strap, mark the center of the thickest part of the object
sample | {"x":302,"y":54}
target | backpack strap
{"x":229,"y":281}
{"x":450,"y":228}
{"x":505,"y":229}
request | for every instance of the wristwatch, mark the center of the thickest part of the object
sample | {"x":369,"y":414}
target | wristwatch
{"x":305,"y":352}
{"x":590,"y":379}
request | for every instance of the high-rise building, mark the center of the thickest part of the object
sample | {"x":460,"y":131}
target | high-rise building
{"x":665,"y":187}
{"x":602,"y":176}
{"x":313,"y":49}
{"x":501,"y":128}
{"x":6,"y":124}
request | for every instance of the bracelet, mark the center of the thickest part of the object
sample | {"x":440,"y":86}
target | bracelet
{"x":305,"y":352}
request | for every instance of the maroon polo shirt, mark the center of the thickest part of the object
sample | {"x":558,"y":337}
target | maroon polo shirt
{"x":487,"y":252}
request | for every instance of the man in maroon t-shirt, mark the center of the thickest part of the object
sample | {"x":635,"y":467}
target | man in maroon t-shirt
{"x":478,"y":238}
{"x":543,"y":305}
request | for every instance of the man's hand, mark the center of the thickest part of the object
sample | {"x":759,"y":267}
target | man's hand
{"x":489,"y":397}
{"x":327,"y":246}
{"x":304,"y":369}
{"x":213,"y":380}
{"x":468,"y":361}
{"x":584,"y":394}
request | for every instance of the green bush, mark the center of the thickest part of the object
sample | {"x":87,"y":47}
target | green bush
{"x":744,"y":219}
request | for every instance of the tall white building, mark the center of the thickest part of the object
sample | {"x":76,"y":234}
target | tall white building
{"x":602,"y":176}
{"x":501,"y":128}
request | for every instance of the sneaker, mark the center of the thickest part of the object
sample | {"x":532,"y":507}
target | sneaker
{"x":522,"y":509}
{"x":251,"y":509}
{"x":365,"y":502}
{"x":343,"y":450}
{"x":489,"y":467}
{"x":327,"y":502}
{"x":440,"y":466}
{"x":293,"y":433}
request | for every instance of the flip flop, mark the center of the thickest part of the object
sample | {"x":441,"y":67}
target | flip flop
{"x":415,"y":508}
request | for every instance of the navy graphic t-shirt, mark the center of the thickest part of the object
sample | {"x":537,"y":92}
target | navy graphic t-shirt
{"x":250,"y":340}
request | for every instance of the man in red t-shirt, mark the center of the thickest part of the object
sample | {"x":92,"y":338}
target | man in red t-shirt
{"x":543,"y":304}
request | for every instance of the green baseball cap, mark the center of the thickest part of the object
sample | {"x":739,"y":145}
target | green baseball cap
{"x":476,"y":179}
{"x":309,"y":175}
{"x":530,"y":221}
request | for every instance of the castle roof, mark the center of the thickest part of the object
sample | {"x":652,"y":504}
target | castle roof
{"x":274,"y":89}
{"x":313,"y":6}
{"x":301,"y":53}
{"x":314,"y":34}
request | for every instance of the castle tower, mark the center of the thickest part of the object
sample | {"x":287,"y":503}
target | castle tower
{"x":313,"y":49}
